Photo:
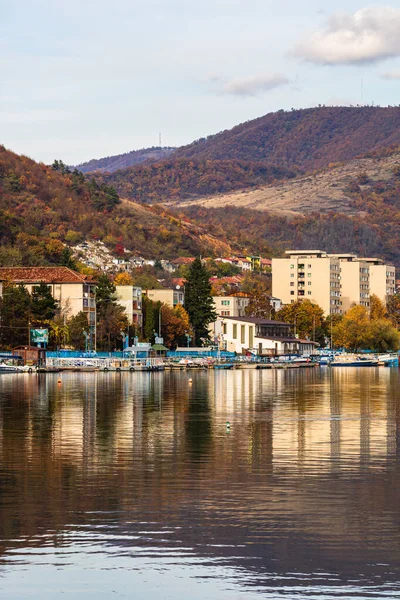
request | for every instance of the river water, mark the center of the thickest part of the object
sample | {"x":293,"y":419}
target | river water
{"x":133,"y":486}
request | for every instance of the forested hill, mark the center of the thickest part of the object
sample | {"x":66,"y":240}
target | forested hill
{"x":307,"y":139}
{"x":361,"y":214}
{"x":184,"y":178}
{"x":122,"y":161}
{"x":42,"y":208}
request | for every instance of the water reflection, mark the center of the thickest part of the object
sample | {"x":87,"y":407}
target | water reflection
{"x":137,"y":474}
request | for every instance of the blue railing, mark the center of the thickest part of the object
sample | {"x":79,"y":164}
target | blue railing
{"x":181,"y":354}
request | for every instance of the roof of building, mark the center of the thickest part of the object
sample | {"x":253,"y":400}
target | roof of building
{"x":42,"y":274}
{"x":257,"y":321}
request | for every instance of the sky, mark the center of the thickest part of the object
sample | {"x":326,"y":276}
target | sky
{"x":82,"y":79}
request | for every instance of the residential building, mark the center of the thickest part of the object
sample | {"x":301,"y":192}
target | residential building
{"x":231,"y":306}
{"x":258,"y":336}
{"x":334,"y":281}
{"x":74,"y":292}
{"x":170,"y":297}
{"x":130,"y":297}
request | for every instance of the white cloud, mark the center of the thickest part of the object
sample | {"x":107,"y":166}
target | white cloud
{"x":369,"y":35}
{"x":391,"y":75}
{"x":248,"y":86}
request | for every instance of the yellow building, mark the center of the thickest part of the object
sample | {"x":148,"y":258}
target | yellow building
{"x":170,"y":297}
{"x":74,"y":292}
{"x":334,"y":281}
{"x":130,"y":298}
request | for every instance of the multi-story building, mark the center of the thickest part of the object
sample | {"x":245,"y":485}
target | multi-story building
{"x":258,"y":336}
{"x":231,"y":306}
{"x":130,"y":298}
{"x":74,"y":292}
{"x":334,"y":281}
{"x":167,"y":296}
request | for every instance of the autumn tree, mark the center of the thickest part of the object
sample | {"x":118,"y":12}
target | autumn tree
{"x":199,"y":303}
{"x":174,"y":325}
{"x":77,"y":325}
{"x":352,"y":331}
{"x":123,"y":278}
{"x":307,"y":318}
{"x":393,"y":310}
{"x":381,"y":336}
{"x":377,"y":309}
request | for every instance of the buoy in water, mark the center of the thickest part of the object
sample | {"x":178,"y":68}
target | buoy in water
{"x":190,"y":380}
{"x":228,"y":425}
{"x":59,"y":381}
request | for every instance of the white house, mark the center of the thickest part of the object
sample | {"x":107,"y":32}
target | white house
{"x":258,"y":336}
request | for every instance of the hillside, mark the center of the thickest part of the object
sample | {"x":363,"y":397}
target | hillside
{"x":307,"y":139}
{"x":42,"y":207}
{"x":179,"y":179}
{"x":360,"y":213}
{"x":325,"y":191}
{"x":122,"y":161}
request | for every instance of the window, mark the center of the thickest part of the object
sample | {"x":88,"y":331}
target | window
{"x":234,"y":332}
{"x":225,"y":328}
{"x":251,"y":337}
{"x":309,"y":283}
{"x":292,"y":266}
{"x":301,"y":266}
{"x":292,"y":292}
{"x":308,"y":274}
{"x":242,"y":334}
{"x":225,"y":313}
{"x":309,"y":293}
{"x":309,"y":266}
{"x":292,"y":283}
{"x":291,"y":274}
{"x":225,"y":302}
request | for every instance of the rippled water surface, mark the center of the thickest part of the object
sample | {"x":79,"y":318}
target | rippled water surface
{"x":132,"y":485}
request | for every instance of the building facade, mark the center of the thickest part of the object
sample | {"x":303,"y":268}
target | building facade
{"x":130,"y":298}
{"x":258,"y":336}
{"x":170,"y":297}
{"x":74,"y":292}
{"x":231,"y":306}
{"x":334,"y":281}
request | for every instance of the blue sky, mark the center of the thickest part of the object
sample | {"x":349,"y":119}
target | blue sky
{"x":91,"y":78}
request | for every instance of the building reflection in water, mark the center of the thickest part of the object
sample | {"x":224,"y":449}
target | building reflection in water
{"x":310,"y":454}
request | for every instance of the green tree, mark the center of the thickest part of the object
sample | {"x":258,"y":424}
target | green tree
{"x":15,"y":311}
{"x":59,"y":333}
{"x":199,"y":303}
{"x":149,"y":321}
{"x":67,"y":259}
{"x":43,"y":305}
{"x":76,"y":326}
{"x":382,"y":336}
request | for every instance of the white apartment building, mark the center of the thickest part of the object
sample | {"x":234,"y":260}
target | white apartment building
{"x":258,"y":336}
{"x":231,"y":306}
{"x":334,"y":281}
